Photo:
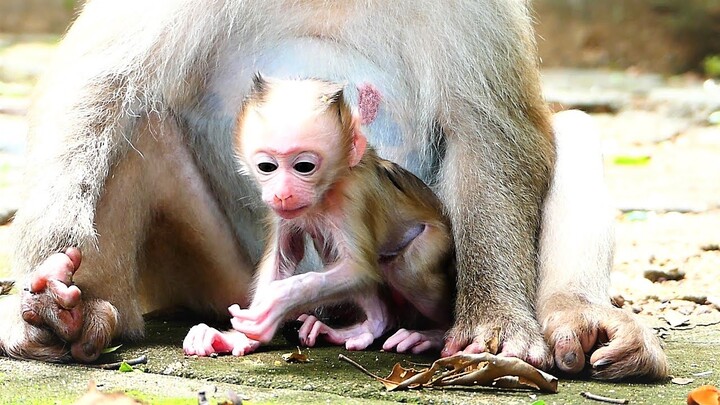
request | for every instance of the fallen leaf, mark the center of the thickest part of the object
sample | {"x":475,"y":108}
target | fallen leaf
{"x":124,"y":367}
{"x":682,"y":380}
{"x":493,"y":344}
{"x":675,"y":319}
{"x":397,"y":376}
{"x":636,"y":216}
{"x":110,"y":349}
{"x":656,"y":275}
{"x":631,"y":160}
{"x":6,"y":286}
{"x":296,"y":357}
{"x":704,"y":395}
{"x":482,"y":369}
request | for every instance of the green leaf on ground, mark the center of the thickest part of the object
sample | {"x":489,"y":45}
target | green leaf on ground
{"x":631,"y":160}
{"x":110,"y":349}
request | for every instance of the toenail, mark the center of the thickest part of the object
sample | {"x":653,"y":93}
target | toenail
{"x":601,"y":363}
{"x":570,"y":359}
{"x":89,"y":349}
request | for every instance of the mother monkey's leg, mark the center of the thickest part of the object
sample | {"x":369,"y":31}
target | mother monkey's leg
{"x":576,"y":252}
{"x":110,"y":172}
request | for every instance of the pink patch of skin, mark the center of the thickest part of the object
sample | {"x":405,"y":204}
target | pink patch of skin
{"x":369,"y":99}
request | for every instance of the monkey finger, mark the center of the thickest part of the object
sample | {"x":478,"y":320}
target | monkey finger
{"x":474,"y":348}
{"x":432,"y":339}
{"x":262,"y":332}
{"x":58,"y":266}
{"x":397,"y":337}
{"x":452,"y":346}
{"x":422,"y":347}
{"x":253,"y":315}
{"x":234,"y":309}
{"x":315,"y":331}
{"x":359,"y":342}
{"x":219,"y":342}
{"x":202,"y":341}
{"x":307,"y":332}
{"x":67,"y":297}
{"x":188,"y":342}
{"x":412,"y":340}
{"x":243,"y":345}
{"x":75,"y":256}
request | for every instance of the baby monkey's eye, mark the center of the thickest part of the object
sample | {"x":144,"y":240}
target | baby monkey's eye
{"x":304,"y":167}
{"x":267,"y":167}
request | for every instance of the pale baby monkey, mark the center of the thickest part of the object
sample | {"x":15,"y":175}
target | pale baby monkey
{"x":381,"y":234}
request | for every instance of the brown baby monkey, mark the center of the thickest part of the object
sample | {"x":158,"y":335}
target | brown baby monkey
{"x":381,"y":234}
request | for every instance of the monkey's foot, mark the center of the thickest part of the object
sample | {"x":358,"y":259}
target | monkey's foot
{"x":415,"y":341}
{"x":51,"y":299}
{"x":356,"y":337}
{"x":519,"y":337}
{"x":51,"y":302}
{"x":619,"y":345}
{"x":203,"y":340}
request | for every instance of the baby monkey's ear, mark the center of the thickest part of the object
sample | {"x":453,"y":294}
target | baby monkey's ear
{"x":359,"y":141}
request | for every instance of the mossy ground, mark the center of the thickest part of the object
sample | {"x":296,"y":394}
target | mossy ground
{"x":263,"y":377}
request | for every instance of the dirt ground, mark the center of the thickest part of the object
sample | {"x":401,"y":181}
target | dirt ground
{"x":661,"y":142}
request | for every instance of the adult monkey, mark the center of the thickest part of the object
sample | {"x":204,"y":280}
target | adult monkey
{"x":133,"y":132}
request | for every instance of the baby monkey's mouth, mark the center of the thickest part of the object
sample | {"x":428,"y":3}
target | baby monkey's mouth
{"x":291,"y":213}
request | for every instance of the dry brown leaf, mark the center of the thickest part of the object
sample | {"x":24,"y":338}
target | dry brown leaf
{"x":397,"y":376}
{"x":675,"y":319}
{"x":6,"y":286}
{"x":296,"y":357}
{"x":493,"y":344}
{"x":704,"y":395}
{"x":468,"y":370}
{"x":682,"y":381}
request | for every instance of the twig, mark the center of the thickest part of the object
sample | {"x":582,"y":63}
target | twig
{"x":116,"y":366}
{"x":600,"y":398}
{"x":358,"y":366}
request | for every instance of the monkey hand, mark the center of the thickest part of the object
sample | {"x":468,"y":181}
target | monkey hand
{"x":259,"y":322}
{"x":356,"y":337}
{"x":618,"y":344}
{"x":203,"y":340}
{"x":404,"y":341}
{"x":518,"y":337}
{"x":52,"y":302}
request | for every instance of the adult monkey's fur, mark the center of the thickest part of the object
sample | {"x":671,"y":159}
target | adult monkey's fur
{"x":131,"y":162}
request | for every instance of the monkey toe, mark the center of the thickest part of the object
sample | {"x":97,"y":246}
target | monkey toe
{"x":99,"y":325}
{"x":633,"y":351}
{"x":528,"y":348}
{"x":618,"y":344}
{"x":85,"y":352}
{"x":59,"y":266}
{"x":568,"y":354}
{"x":456,"y":340}
{"x":41,"y":310}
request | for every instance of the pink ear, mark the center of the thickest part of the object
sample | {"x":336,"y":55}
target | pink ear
{"x":359,"y":143}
